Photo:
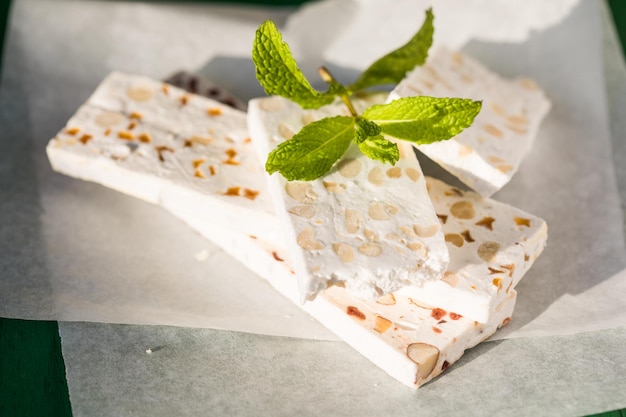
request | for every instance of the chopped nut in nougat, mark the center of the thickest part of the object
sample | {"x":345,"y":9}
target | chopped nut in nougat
{"x":486,"y":155}
{"x":359,"y":207}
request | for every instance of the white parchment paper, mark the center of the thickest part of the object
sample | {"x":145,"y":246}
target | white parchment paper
{"x":76,"y":251}
{"x":203,"y":372}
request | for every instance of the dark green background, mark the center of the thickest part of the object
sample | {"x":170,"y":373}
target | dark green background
{"x":32,"y":371}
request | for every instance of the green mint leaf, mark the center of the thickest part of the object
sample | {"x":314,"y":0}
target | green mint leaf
{"x":365,"y":129}
{"x":313,"y":151}
{"x":278,"y":72}
{"x":380,"y":149}
{"x":392,"y":68}
{"x":424,"y":119}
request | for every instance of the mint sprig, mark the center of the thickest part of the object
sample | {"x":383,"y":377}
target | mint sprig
{"x":313,"y":151}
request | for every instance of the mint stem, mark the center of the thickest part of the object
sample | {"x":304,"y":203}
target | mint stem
{"x":330,"y":80}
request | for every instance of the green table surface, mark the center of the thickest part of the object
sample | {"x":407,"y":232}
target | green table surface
{"x":32,"y":371}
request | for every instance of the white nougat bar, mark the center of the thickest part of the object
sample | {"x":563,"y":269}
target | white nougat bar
{"x":367,"y":225}
{"x":161,"y":144}
{"x":487,"y":154}
{"x":410,"y":341}
{"x":492,"y":245}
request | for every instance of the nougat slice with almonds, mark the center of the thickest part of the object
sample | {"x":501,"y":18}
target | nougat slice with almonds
{"x":367,"y":226}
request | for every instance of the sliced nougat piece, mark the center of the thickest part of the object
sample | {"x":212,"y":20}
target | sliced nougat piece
{"x":409,"y":340}
{"x":492,"y":245}
{"x":486,"y":155}
{"x":366,"y":225}
{"x":220,"y":178}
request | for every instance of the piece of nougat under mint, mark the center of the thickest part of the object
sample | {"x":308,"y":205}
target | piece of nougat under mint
{"x":168,"y":147}
{"x":365,"y":225}
{"x":487,"y":154}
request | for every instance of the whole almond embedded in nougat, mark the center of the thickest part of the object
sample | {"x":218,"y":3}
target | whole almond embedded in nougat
{"x":366,"y":225}
{"x":486,"y":155}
